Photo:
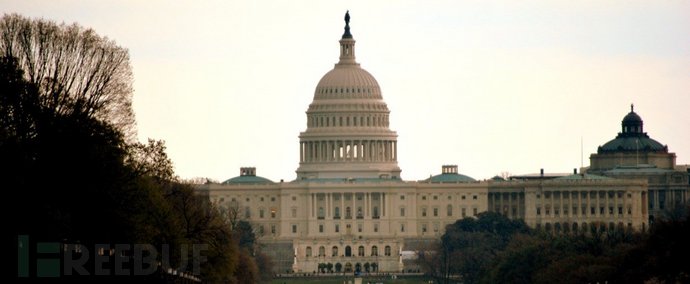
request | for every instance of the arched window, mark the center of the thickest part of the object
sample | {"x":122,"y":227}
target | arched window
{"x":308,"y":251}
{"x":348,"y":251}
{"x":334,"y":251}
{"x":374,"y":251}
{"x":322,"y":251}
{"x":387,"y":251}
{"x":360,"y":251}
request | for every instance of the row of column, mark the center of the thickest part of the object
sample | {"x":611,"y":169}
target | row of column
{"x":349,"y":150}
{"x":329,"y":204}
{"x":588,"y":202}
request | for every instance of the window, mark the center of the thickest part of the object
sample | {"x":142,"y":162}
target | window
{"x":402,"y":211}
{"x":387,"y":251}
{"x":261,"y":213}
{"x":449,"y":210}
{"x":334,"y":251}
{"x":336,"y":215}
{"x":474,"y":211}
{"x":360,"y":251}
{"x":294,"y":198}
{"x":273,"y":212}
{"x":423,"y":228}
{"x":262,"y":199}
{"x":402,"y":228}
{"x":359,"y":228}
{"x":374,"y":251}
{"x":359,"y":213}
{"x":435,"y":197}
{"x":402,"y":197}
{"x":337,"y":228}
{"x":423,"y":197}
{"x":308,"y":252}
{"x":474,"y":197}
{"x":348,"y":213}
{"x":376,"y":228}
{"x":423,"y":212}
{"x":538,"y":211}
{"x":376,"y":212}
{"x":463,"y":197}
{"x":321,"y":213}
{"x":273,"y":229}
{"x":247,"y":212}
{"x":322,"y":251}
{"x":273,"y":199}
{"x":247,"y":200}
{"x":436,"y":225}
{"x":435,"y":211}
{"x":449,"y":197}
{"x":620,"y":210}
{"x":320,"y":228}
{"x":293,"y":212}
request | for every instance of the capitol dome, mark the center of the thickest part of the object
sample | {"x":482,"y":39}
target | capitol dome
{"x":348,"y":135}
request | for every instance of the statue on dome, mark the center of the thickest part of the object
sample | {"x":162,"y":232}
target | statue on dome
{"x":347,"y":33}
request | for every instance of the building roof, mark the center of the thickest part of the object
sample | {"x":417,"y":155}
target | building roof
{"x":248,"y":180}
{"x":449,"y":178}
{"x":581,"y":176}
{"x":248,"y":176}
{"x":632,"y":138}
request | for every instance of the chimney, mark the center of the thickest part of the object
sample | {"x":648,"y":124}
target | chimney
{"x":574,"y":171}
{"x":541,"y":173}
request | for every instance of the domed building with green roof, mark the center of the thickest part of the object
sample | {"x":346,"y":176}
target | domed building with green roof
{"x":633,"y":154}
{"x":349,"y":205}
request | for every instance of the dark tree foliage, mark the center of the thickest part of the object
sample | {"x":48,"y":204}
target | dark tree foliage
{"x":469,"y":247}
{"x":74,"y":70}
{"x":75,"y":175}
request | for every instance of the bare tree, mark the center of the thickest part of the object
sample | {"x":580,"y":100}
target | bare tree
{"x":77,"y":71}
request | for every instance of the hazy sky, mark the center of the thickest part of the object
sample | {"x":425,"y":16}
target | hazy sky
{"x":492,"y":86}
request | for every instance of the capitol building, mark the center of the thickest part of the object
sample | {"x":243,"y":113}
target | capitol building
{"x":350,"y":208}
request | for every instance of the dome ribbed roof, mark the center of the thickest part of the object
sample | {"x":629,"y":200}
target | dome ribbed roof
{"x":347,"y":82}
{"x":632,"y":138}
{"x":347,"y":77}
{"x":248,"y":180}
{"x":450,"y":178}
{"x":631,"y":144}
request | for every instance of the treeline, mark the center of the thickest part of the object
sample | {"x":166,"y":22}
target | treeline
{"x":74,"y":174}
{"x":495,"y":249}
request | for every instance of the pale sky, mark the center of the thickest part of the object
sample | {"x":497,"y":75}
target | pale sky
{"x":492,"y":86}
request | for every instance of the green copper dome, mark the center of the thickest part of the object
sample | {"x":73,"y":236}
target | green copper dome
{"x":449,"y":174}
{"x":632,"y":138}
{"x":248,"y":176}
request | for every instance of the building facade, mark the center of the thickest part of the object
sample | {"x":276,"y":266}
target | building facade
{"x":350,"y":208}
{"x":634,"y":155}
